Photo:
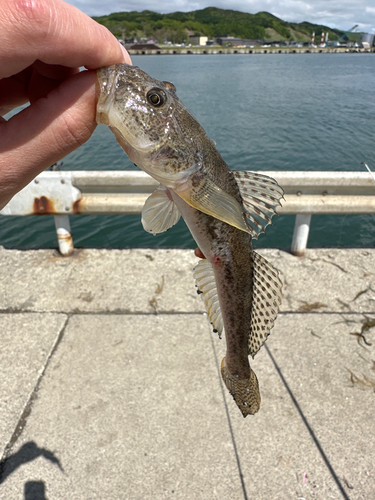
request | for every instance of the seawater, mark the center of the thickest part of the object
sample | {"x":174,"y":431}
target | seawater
{"x":266,"y":112}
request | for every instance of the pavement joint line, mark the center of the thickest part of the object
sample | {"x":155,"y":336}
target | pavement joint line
{"x":170,"y":313}
{"x":21,"y":424}
{"x":104,"y":313}
{"x":307,"y":425}
{"x":223,"y":392}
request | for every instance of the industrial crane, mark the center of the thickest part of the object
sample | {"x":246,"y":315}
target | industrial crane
{"x":342,"y":37}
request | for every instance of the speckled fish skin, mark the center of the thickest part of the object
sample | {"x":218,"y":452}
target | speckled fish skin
{"x":168,"y":143}
{"x":167,"y":138}
{"x":230,"y":252}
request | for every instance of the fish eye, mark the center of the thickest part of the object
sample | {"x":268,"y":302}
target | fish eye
{"x":156,"y":97}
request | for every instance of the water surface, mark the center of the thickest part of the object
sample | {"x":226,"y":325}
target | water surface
{"x":265,"y":112}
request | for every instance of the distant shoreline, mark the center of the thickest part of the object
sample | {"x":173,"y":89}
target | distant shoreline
{"x":249,"y":50}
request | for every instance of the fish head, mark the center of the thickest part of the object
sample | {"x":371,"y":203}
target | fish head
{"x":148,"y":120}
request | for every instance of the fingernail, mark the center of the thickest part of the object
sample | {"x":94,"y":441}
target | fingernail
{"x":126,"y":55}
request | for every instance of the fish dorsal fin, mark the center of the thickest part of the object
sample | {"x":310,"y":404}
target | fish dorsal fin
{"x":208,"y":198}
{"x":159,"y":213}
{"x":267,"y":292}
{"x":261,"y":196}
{"x":206,"y":284}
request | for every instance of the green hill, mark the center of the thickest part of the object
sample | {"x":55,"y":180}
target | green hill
{"x":212,"y":22}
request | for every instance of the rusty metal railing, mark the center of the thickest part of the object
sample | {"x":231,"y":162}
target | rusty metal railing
{"x":65,"y":193}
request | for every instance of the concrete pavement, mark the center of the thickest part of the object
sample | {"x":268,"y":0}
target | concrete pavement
{"x":110,"y":386}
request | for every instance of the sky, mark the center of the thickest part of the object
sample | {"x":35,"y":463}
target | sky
{"x":340,"y":14}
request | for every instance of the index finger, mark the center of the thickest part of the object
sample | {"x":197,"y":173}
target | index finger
{"x":56,"y":33}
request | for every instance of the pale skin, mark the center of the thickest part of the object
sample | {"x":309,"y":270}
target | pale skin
{"x":43,"y":43}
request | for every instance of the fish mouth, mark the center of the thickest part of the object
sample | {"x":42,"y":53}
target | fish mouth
{"x":116,"y":107}
{"x":105,"y":85}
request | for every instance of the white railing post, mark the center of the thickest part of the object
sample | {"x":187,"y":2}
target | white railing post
{"x":64,"y":236}
{"x":301,"y":234}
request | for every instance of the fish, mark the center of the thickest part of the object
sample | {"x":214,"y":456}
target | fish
{"x":223,"y":209}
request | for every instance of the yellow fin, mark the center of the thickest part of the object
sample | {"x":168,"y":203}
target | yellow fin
{"x":210,"y":199}
{"x":245,"y":392}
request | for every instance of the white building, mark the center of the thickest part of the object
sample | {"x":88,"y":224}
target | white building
{"x":366,"y":40}
{"x":198,"y":39}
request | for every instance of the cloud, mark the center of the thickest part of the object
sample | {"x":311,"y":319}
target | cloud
{"x":341,"y":14}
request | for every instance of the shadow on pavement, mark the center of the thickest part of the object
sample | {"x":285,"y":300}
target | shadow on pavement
{"x":33,"y":490}
{"x":309,"y":428}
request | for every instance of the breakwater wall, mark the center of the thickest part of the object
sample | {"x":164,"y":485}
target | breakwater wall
{"x":248,"y":50}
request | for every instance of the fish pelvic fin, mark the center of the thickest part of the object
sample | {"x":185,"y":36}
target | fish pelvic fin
{"x":159,"y":213}
{"x":245,"y":392}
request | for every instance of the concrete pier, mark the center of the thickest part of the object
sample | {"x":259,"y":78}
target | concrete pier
{"x":249,"y":50}
{"x":110,"y":387}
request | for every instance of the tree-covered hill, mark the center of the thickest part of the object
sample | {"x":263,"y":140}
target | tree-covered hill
{"x":213,"y":22}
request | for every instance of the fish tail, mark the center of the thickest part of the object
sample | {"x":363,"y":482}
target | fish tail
{"x":245,"y":392}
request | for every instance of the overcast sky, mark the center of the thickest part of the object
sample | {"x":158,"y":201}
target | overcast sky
{"x":341,"y":14}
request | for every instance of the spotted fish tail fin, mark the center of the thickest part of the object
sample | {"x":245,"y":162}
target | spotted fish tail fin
{"x":245,"y":392}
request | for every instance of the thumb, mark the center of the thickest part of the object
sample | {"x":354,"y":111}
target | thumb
{"x":45,"y":132}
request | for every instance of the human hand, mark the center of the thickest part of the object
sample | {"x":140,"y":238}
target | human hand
{"x":43,"y":43}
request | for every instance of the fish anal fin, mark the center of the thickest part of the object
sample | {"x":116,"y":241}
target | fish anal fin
{"x":245,"y":392}
{"x":159,"y":213}
{"x":261,"y":196}
{"x":206,"y":284}
{"x":267,"y":293}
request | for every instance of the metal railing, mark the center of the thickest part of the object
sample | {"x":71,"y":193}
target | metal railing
{"x":64,"y":193}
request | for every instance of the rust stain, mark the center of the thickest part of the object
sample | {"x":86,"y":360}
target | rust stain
{"x":43,"y":205}
{"x":65,"y":237}
{"x":77,"y":206}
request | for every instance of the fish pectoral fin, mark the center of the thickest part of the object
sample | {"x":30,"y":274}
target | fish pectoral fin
{"x":208,"y":198}
{"x":261,"y":196}
{"x":159,"y":213}
{"x":267,"y":293}
{"x":206,"y":285}
{"x":245,"y":392}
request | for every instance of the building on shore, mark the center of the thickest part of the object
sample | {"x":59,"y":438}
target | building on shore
{"x":367,"y":40}
{"x":197,"y":39}
{"x":232,"y":41}
{"x":274,"y":43}
{"x":143,"y":46}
